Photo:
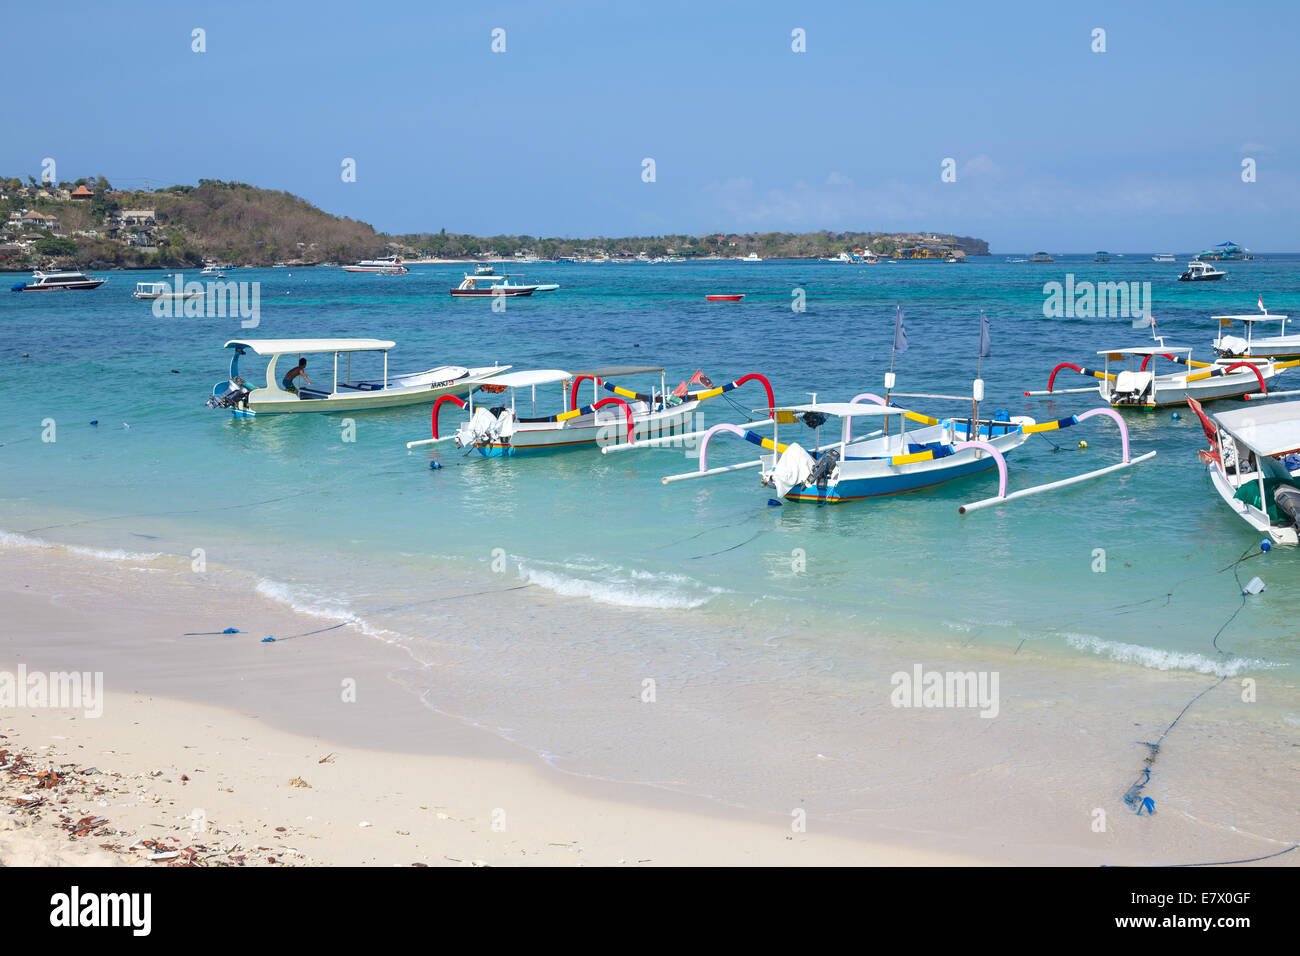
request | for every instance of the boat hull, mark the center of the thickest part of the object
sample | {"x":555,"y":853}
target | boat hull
{"x":1285,"y":535}
{"x":470,"y":293}
{"x":858,"y":477}
{"x":611,"y":429}
{"x":64,"y":286}
{"x":1177,"y":391}
{"x":894,"y":483}
{"x":264,"y":401}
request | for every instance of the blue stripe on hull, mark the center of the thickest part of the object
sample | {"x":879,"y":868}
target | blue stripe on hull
{"x":891,"y":484}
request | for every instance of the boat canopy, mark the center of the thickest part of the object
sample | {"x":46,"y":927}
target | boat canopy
{"x":1146,"y":350}
{"x":543,"y":376}
{"x":841,"y":410}
{"x":280,"y":346}
{"x":612,"y":371}
{"x":1266,"y":430}
{"x":1253,"y":317}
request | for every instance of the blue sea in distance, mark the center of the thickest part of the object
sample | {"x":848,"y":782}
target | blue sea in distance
{"x":701,"y":573}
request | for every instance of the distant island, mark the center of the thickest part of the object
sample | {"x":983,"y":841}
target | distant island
{"x":87,"y":224}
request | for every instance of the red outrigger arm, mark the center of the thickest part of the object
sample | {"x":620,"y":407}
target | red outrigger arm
{"x":1162,"y":355}
{"x":573,"y":392}
{"x":437,"y":405}
{"x":701,"y":395}
{"x":627,"y":410}
{"x":1051,"y":379}
{"x":1253,"y":367}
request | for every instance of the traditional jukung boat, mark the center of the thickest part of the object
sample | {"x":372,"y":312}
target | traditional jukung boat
{"x":1254,"y":464}
{"x":1140,"y":387}
{"x":1252,"y":345}
{"x":344,"y":393}
{"x":624,"y":417}
{"x":893,"y":460}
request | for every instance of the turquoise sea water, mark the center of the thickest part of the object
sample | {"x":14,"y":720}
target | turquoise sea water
{"x":358,"y":528}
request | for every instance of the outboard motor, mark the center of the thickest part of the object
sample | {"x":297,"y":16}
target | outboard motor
{"x":1287,"y":498}
{"x":236,"y":393}
{"x":820,"y":475}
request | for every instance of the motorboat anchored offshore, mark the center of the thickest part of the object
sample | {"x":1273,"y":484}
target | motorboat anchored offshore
{"x":48,"y":281}
{"x":297,"y":392}
{"x":489,"y":285}
{"x":1201,"y":272}
{"x":383,"y":266}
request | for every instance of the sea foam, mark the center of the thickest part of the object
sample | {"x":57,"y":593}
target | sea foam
{"x":1163,"y":660}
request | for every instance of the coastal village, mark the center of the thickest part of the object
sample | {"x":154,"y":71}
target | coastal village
{"x":89,"y":224}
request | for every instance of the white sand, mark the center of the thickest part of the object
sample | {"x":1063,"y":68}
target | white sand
{"x":239,"y":719}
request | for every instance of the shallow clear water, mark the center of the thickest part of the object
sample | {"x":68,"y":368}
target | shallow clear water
{"x":704,"y":572}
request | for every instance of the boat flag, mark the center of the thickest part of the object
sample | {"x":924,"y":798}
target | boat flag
{"x":900,"y":336}
{"x":681,"y":390}
{"x":1261,"y":304}
{"x":1144,"y":321}
{"x":985,"y":345}
{"x":699,"y":378}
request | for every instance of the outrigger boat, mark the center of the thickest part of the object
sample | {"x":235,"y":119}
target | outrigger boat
{"x":149,"y":291}
{"x":1252,"y":346}
{"x":1254,"y":463}
{"x":897,"y":461}
{"x":891,"y":460}
{"x":345,"y":393}
{"x":503,"y":430}
{"x":1138,"y":387}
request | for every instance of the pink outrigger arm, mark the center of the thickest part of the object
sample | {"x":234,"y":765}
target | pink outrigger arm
{"x":1004,"y":495}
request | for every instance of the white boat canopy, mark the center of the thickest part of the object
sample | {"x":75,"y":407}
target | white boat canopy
{"x":610,"y":371}
{"x":840,"y":410}
{"x":1253,"y":317}
{"x":281,"y":346}
{"x":543,"y":376}
{"x":1146,"y":350}
{"x":1268,"y":430}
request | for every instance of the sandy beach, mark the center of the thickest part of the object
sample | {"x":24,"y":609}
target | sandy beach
{"x":225,"y":750}
{"x":387,"y":781}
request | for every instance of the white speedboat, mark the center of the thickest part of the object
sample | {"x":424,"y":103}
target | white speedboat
{"x":384,"y":266}
{"x":1254,"y":463}
{"x":1201,"y":272}
{"x":752,"y":257}
{"x":1163,"y":257}
{"x":49,"y":281}
{"x":475,"y":286}
{"x":343,"y":392}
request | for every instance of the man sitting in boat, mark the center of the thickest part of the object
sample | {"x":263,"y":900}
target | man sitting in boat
{"x":299,"y":370}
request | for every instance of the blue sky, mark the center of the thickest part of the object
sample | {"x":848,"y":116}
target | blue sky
{"x":1056,"y":147}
